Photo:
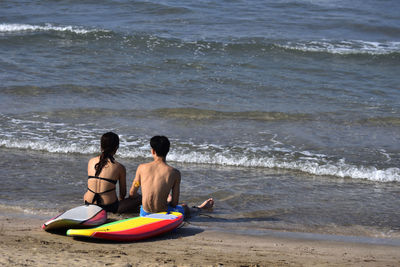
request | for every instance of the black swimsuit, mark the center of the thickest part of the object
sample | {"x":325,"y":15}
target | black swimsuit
{"x":113,"y":207}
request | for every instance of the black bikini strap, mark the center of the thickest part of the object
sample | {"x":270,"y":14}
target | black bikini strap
{"x":101,"y":178}
{"x":97,"y":198}
{"x":109,"y":190}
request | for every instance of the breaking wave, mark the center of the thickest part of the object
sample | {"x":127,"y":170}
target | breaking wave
{"x":37,"y":134}
{"x":348,"y":47}
{"x":267,"y":157}
{"x":18,"y":28}
{"x":248,"y":45}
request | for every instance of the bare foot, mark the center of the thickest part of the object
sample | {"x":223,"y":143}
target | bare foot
{"x":208,"y":204}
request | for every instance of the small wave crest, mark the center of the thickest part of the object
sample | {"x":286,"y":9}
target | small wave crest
{"x":230,"y":45}
{"x":200,"y":114}
{"x":262,"y":45}
{"x":350,"y":47}
{"x":15,"y":28}
{"x":49,"y":146}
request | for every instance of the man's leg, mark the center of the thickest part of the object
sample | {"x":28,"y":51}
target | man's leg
{"x":130,"y":205}
{"x":206,"y":205}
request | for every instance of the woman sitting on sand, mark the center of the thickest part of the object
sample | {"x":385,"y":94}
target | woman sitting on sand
{"x":103,"y":174}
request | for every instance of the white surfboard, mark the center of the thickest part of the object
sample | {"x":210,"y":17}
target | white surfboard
{"x":79,"y":217}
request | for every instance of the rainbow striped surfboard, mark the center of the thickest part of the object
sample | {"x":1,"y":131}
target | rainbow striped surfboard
{"x":133,"y":229}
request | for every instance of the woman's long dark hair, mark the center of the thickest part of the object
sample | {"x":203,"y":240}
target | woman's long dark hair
{"x":109,"y":145}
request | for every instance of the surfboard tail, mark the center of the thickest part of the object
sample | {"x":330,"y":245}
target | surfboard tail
{"x":78,"y":217}
{"x":98,"y":219}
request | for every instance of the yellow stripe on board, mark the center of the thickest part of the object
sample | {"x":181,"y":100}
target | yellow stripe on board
{"x":114,"y":227}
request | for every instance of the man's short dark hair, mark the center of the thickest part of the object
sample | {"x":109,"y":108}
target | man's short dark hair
{"x":160,"y":144}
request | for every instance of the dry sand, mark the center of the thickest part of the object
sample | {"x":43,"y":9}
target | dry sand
{"x":24,"y":243}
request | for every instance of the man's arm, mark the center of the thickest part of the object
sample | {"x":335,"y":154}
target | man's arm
{"x":122,"y":183}
{"x":176,"y":189}
{"x":133,"y":192}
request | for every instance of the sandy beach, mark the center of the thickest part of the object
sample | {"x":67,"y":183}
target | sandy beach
{"x":286,"y":113}
{"x":24,"y":243}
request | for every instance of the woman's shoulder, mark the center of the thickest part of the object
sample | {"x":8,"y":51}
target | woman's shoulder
{"x":94,"y":160}
{"x":97,"y":158}
{"x":119,"y":165}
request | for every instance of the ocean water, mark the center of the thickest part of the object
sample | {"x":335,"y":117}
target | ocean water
{"x":287,"y":113}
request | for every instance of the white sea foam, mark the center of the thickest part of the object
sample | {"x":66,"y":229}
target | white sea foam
{"x":311,"y":166}
{"x":9,"y":28}
{"x":304,"y":161}
{"x":345,"y":47}
{"x":49,"y":146}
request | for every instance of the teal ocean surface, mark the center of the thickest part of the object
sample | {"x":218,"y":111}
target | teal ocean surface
{"x":287,"y":113}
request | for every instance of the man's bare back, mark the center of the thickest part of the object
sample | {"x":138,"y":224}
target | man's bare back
{"x":157,"y":180}
{"x":160,"y":183}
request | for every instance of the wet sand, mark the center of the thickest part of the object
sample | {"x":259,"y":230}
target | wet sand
{"x":24,"y":243}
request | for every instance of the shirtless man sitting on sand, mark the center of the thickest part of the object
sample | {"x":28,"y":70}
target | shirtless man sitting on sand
{"x":160,"y":183}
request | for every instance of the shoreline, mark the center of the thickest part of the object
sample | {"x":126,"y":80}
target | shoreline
{"x":23,"y":242}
